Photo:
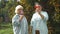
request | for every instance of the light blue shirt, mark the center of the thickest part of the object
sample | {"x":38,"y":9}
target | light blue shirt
{"x":19,"y":27}
{"x":38,"y":23}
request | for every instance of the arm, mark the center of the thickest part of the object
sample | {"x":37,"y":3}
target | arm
{"x":42,"y":16}
{"x":15,"y":20}
{"x":25,"y":25}
{"x":21,"y":17}
{"x":32,"y":23}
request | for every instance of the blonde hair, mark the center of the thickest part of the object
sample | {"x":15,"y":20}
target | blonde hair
{"x":18,"y":7}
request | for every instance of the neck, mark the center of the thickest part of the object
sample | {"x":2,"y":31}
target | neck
{"x":37,"y":11}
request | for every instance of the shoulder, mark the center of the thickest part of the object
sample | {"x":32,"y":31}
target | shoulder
{"x":44,"y":12}
{"x":14,"y":16}
{"x":34,"y":14}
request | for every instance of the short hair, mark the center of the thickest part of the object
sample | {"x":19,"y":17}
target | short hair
{"x":18,"y":7}
{"x":39,"y":4}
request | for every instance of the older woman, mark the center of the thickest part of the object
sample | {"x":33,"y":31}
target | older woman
{"x":19,"y":21}
{"x":38,"y":21}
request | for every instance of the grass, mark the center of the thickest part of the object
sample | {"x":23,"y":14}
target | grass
{"x":6,"y":28}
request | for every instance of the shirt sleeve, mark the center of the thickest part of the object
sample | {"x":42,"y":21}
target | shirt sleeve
{"x":32,"y":21}
{"x":25,"y":25}
{"x":45,"y":16}
{"x":15,"y":20}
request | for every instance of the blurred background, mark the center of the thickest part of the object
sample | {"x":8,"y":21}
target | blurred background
{"x":7,"y":8}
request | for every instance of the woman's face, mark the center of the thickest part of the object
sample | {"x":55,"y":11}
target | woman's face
{"x":39,"y":9}
{"x":20,"y":11}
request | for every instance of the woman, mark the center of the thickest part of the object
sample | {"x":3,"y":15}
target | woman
{"x":38,"y":21}
{"x":19,"y":21}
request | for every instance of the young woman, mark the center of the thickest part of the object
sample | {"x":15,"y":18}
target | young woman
{"x":39,"y":21}
{"x":19,"y":21}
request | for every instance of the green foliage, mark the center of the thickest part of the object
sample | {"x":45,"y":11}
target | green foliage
{"x":51,"y":6}
{"x":6,"y":28}
{"x":8,"y":8}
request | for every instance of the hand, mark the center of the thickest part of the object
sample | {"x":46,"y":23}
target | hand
{"x":21,"y":17}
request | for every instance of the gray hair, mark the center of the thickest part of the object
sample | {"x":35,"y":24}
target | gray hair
{"x":18,"y":7}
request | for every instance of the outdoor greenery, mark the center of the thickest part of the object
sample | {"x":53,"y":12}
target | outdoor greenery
{"x":7,"y":9}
